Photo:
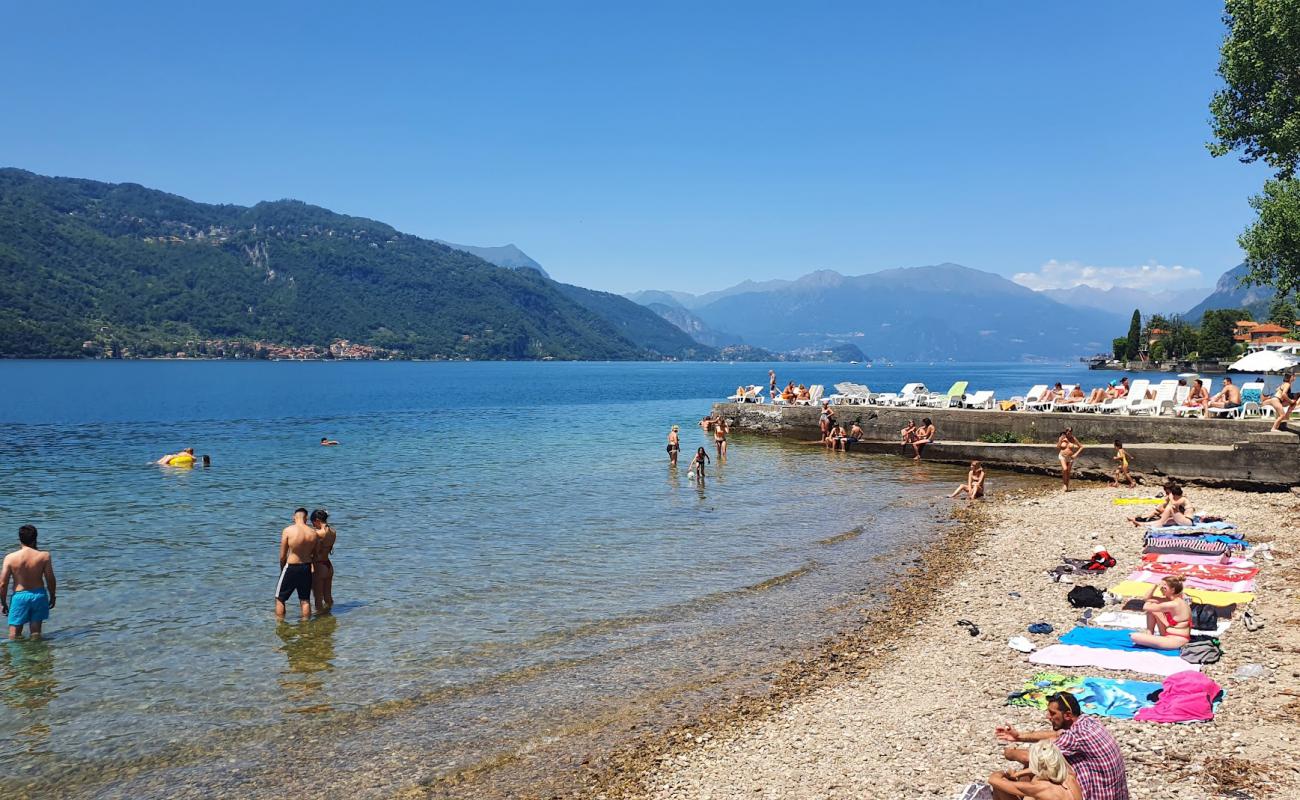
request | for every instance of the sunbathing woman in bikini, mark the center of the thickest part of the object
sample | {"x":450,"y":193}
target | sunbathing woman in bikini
{"x":1068,"y":448}
{"x":1169,"y":617}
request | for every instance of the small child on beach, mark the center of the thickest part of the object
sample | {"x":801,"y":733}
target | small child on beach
{"x":974,"y":485}
{"x":1121,"y":472}
{"x":697,"y":464}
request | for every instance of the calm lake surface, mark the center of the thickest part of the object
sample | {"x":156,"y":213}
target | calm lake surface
{"x":516,"y":562}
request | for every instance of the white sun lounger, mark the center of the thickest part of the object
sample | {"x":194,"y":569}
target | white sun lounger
{"x":980,"y":399}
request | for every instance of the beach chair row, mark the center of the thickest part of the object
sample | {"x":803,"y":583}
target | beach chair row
{"x":1167,"y":398}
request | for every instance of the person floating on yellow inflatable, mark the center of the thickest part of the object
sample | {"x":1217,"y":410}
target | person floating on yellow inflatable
{"x":184,"y":458}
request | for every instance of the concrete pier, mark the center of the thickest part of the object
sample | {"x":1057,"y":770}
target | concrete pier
{"x":1215,"y":452}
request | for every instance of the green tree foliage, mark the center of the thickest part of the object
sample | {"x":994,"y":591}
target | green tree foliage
{"x":1180,"y":339}
{"x":1258,"y":110}
{"x":1120,"y":347}
{"x":1215,"y":338}
{"x":1257,"y":113}
{"x":1135,"y":343}
{"x":154,"y":273}
{"x":1282,"y":312}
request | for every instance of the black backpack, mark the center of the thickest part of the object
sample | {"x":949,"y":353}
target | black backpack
{"x":1086,"y":597}
{"x":1204,"y":618}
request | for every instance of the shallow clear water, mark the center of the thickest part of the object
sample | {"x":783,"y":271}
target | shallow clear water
{"x":513,"y":555}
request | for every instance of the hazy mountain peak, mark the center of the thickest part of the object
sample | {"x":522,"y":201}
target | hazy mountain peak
{"x":506,"y":255}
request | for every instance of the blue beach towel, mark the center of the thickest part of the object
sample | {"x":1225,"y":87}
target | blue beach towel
{"x":1109,"y":640}
{"x":1103,"y":697}
{"x":1196,"y":527}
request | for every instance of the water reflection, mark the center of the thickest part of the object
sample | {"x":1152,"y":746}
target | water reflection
{"x":309,"y":648}
{"x":27,"y":685}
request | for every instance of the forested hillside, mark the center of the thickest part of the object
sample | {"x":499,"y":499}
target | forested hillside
{"x":88,"y":266}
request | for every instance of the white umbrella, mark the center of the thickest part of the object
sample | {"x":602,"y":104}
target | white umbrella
{"x":1264,"y":361}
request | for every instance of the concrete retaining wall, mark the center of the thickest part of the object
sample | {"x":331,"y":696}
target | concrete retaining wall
{"x":1235,"y":453}
{"x":883,"y":423}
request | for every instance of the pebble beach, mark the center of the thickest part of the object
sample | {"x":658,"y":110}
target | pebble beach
{"x":906,"y":705}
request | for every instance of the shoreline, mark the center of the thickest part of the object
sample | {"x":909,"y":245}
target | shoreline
{"x":824,"y":732}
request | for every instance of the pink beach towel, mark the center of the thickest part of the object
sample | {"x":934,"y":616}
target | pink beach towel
{"x":1073,"y":655}
{"x":1192,"y":582}
{"x":1190,"y":558}
{"x":1185,"y":697}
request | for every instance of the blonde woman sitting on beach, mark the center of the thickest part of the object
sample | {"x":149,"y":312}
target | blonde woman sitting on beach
{"x":1169,"y":617}
{"x":1049,"y":777}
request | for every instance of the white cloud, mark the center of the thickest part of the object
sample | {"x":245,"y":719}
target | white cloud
{"x":1068,"y":274}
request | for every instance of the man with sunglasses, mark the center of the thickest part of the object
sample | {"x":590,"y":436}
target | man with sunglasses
{"x":1092,"y":751}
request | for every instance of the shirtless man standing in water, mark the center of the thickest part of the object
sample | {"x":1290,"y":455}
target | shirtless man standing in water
{"x":297,"y":551}
{"x":34,"y":586}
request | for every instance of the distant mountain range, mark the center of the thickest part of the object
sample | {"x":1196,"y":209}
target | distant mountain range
{"x":945,"y":311}
{"x":89,"y":267}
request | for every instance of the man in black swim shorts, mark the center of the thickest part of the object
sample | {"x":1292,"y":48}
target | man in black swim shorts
{"x":297,"y":551}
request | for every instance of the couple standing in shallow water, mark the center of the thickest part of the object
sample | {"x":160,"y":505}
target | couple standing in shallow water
{"x":305,"y":565}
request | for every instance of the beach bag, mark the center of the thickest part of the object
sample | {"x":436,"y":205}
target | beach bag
{"x":1086,"y":597}
{"x":1204,"y":618}
{"x":1204,"y":650}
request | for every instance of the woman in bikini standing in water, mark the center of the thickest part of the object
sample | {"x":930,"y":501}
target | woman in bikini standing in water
{"x":1068,"y":448}
{"x":720,"y":438}
{"x":322,"y":569}
{"x":1169,"y":617}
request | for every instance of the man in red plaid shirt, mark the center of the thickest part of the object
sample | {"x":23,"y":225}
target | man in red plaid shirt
{"x":1093,"y":753}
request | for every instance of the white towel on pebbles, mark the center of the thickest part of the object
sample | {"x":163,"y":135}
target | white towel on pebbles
{"x":1136,"y":621}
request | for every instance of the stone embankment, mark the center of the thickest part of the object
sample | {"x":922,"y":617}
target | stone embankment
{"x":1238,"y":453}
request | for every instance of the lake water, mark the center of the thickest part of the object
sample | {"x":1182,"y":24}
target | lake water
{"x":516,"y":563}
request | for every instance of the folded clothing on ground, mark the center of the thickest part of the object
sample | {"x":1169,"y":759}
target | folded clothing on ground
{"x":1104,"y":697}
{"x":1196,"y":558}
{"x":1205,"y":596}
{"x":1184,"y":697}
{"x":1109,"y":639}
{"x":1073,"y":655}
{"x":1137,"y":621}
{"x":1194,"y":582}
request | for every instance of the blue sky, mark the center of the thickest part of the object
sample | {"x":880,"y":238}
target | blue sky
{"x":664,"y":145}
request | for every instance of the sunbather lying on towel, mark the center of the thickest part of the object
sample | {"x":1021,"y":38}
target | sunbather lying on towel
{"x":1169,"y":617}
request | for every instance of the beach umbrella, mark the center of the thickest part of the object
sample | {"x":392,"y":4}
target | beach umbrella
{"x":1264,"y":361}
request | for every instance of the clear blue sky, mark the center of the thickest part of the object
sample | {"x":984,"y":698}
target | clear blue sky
{"x":662,"y":145}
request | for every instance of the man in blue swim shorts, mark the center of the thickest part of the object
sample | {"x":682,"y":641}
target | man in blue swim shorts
{"x":32,"y":571}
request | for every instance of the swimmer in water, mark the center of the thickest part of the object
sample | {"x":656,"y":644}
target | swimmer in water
{"x":324,"y":442}
{"x":697,"y":464}
{"x":175,"y":459}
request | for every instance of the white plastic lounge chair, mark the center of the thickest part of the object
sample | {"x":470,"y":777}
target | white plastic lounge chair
{"x":905,"y":397}
{"x":980,"y":399}
{"x":1042,"y":402}
{"x":1165,"y":394}
{"x":1064,"y":405}
{"x":1252,"y":399}
{"x":848,"y":393}
{"x":1183,"y":410}
{"x":956,"y":393}
{"x":1136,"y":392}
{"x":815,"y":393}
{"x":1240,"y":409}
{"x":752,"y":394}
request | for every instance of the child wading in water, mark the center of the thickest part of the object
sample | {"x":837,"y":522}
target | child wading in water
{"x":697,"y":464}
{"x":1121,"y":472}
